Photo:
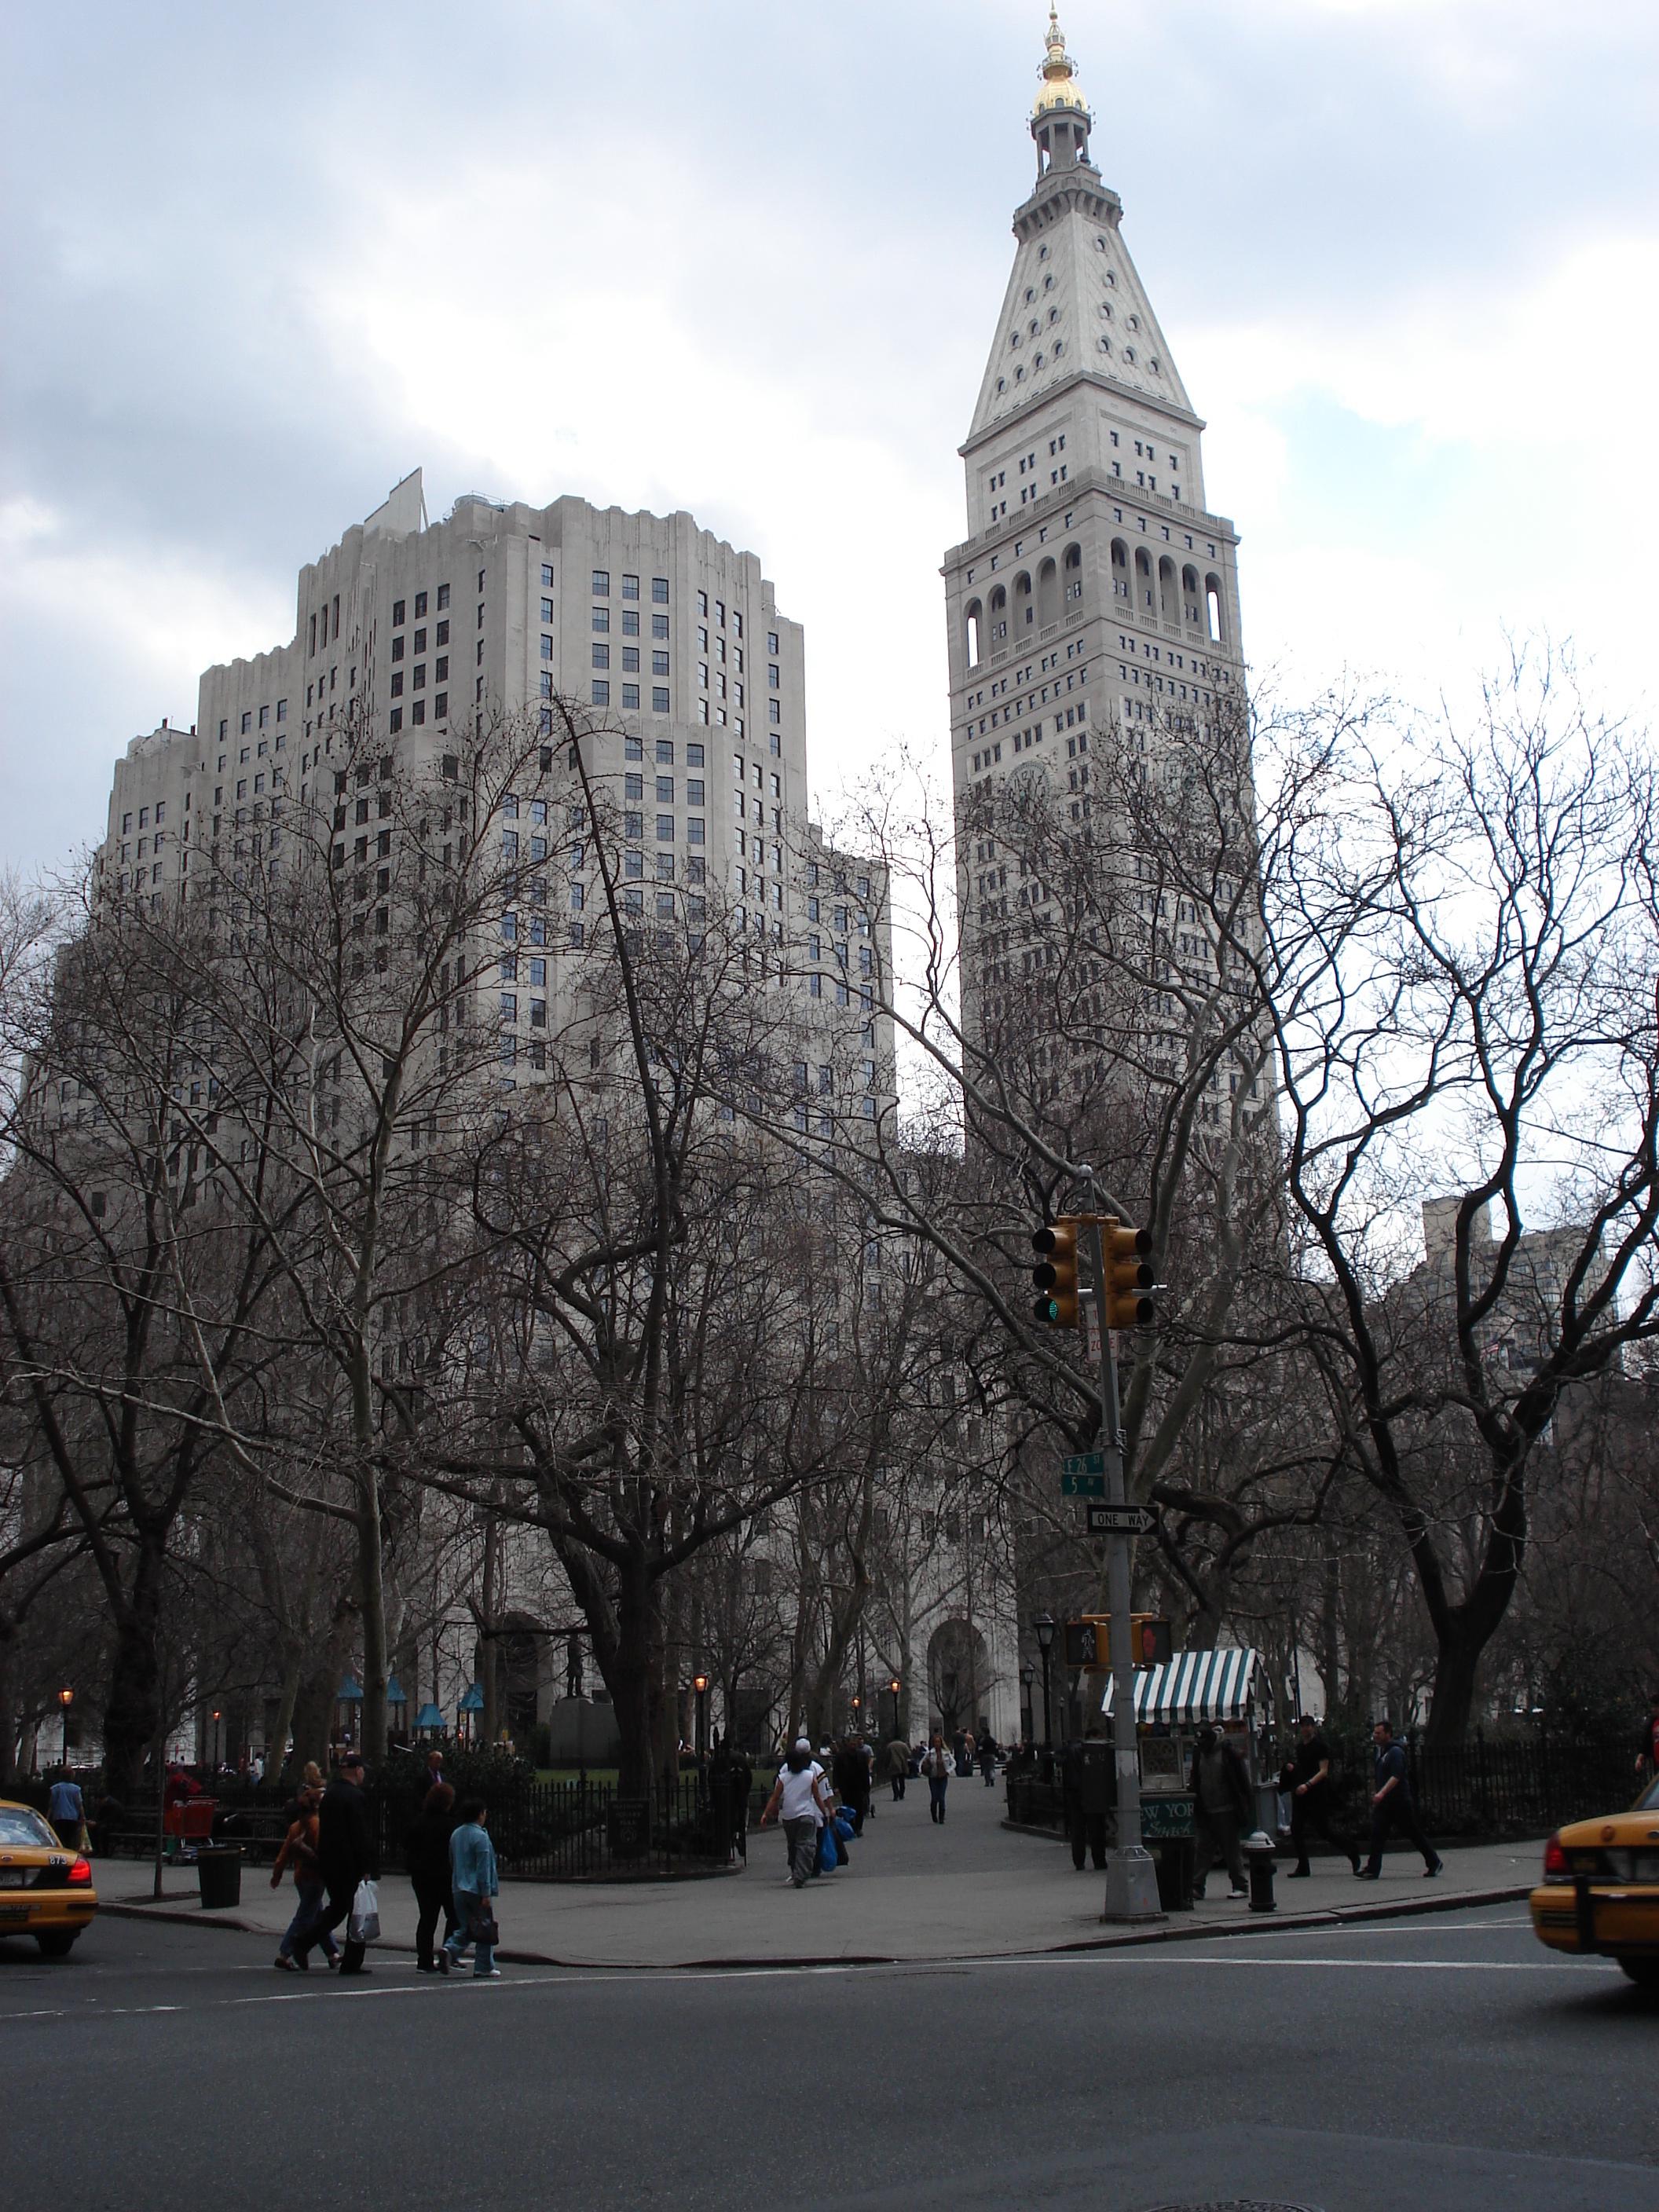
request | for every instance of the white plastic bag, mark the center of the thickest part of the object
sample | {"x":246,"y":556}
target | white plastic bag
{"x":364,"y":1925}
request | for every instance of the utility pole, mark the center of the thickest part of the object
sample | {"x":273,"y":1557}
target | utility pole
{"x":1131,"y":1877}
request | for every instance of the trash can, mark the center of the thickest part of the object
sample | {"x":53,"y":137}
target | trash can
{"x":1174,"y":1858}
{"x":219,"y":1871}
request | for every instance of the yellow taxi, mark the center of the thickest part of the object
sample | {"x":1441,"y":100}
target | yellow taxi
{"x":1601,"y":1890}
{"x":45,"y":1889}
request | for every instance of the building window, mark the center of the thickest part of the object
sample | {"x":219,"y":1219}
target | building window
{"x":394,"y":721}
{"x":601,"y":693}
{"x":774,"y":711}
{"x":630,"y":698}
{"x":601,"y":656}
{"x":659,"y":698}
{"x":601,"y":583}
{"x":602,"y":619}
{"x":660,"y":590}
{"x":666,"y":829}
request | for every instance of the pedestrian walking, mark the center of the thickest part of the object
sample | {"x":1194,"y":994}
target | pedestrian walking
{"x":66,"y":1812}
{"x":987,"y":1756}
{"x":298,"y":1856}
{"x":1222,"y":1789}
{"x":850,"y":1773}
{"x":473,"y":1885}
{"x":345,"y":1856}
{"x":937,"y":1765}
{"x":800,"y":1801}
{"x":1308,"y":1775}
{"x":1392,"y":1807}
{"x":435,"y":1770}
{"x":425,"y":1856}
{"x":898,"y":1767}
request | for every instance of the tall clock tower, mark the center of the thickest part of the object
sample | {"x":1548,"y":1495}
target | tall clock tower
{"x":1095,"y":597}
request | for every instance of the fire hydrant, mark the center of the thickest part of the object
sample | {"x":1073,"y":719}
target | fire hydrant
{"x":1258,"y":1849}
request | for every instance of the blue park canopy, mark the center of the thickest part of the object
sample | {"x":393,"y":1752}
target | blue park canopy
{"x":348,"y":1692}
{"x":428,"y":1717}
{"x":473,"y":1701}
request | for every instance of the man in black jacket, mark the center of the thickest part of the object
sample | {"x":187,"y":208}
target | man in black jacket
{"x":345,"y":1856}
{"x":1310,"y":1780}
{"x":1221,"y":1788}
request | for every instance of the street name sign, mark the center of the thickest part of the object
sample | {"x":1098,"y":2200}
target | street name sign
{"x":1120,"y":1520}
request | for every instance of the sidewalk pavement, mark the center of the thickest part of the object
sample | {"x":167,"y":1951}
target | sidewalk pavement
{"x":914,"y":1891}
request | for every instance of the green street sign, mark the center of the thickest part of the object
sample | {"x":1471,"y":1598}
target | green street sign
{"x":1083,"y":1485}
{"x":1084,"y":1463}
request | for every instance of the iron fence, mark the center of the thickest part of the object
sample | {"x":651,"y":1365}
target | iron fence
{"x":1493,"y":1788}
{"x":1517,"y":1788}
{"x":572,"y":1830}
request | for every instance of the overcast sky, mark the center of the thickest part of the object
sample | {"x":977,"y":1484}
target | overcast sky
{"x":748,"y":260}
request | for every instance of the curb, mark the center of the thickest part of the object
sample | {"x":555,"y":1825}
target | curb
{"x":1254,"y":1924}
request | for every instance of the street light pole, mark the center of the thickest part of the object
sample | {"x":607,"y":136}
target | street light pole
{"x":1131,"y":1877}
{"x":1027,"y":1676}
{"x":66,"y":1699}
{"x":700,"y":1684}
{"x":1044,"y":1626}
{"x":894,"y":1686}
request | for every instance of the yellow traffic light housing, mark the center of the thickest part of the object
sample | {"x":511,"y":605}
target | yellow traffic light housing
{"x":1128,"y":1257}
{"x":1055,"y":1273}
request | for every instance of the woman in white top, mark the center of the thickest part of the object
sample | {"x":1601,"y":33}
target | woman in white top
{"x":798,"y":1795}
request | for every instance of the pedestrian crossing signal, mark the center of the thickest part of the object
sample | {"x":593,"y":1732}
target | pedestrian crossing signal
{"x":1055,"y":1274}
{"x":1128,"y":1257}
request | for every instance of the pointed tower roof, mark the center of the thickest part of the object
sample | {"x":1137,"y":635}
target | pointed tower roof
{"x":1075,"y":306}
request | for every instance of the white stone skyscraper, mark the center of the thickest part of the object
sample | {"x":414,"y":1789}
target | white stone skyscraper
{"x":1094,"y":598}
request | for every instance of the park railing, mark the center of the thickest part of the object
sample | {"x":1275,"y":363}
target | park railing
{"x":1486,"y":1787}
{"x":1502,"y":1787}
{"x":572,"y":1830}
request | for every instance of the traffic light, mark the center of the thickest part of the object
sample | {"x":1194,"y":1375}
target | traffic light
{"x":1149,"y":1634}
{"x":1128,"y":1257}
{"x":1055,"y":1273}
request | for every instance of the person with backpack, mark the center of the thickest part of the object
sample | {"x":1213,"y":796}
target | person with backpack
{"x":799,"y":1799}
{"x":425,"y":1856}
{"x":473,"y":1884}
{"x":1391,"y":1806}
{"x":937,"y":1765}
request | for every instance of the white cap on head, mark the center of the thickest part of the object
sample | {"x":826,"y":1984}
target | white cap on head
{"x":803,"y":1743}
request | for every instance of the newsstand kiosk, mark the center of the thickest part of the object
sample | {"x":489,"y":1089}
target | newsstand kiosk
{"x":1227,"y":1689}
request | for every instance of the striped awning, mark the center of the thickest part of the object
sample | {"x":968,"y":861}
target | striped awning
{"x":1198,"y":1686}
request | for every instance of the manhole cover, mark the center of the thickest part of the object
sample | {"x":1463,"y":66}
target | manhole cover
{"x":1235,"y":2204}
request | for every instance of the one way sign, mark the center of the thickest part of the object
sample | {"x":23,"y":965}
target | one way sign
{"x":1121,"y":1520}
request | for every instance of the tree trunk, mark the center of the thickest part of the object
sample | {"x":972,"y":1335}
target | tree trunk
{"x":372,"y":1600}
{"x":133,"y":1703}
{"x":1456,"y":1671}
{"x":628,"y":1678}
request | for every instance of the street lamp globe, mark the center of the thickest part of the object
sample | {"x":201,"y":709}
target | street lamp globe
{"x":1044,"y":1626}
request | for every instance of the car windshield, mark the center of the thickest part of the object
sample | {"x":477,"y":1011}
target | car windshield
{"x":19,"y":1825}
{"x":1649,"y":1802}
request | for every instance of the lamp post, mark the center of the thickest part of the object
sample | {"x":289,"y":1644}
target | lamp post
{"x":66,"y":1699}
{"x":1044,"y":1627}
{"x":858,"y":1716}
{"x":894,"y":1686}
{"x":215,"y":1741}
{"x":1027,"y":1676}
{"x":700,"y":1684}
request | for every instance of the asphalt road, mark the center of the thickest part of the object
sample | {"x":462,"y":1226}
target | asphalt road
{"x":1400,"y":2067}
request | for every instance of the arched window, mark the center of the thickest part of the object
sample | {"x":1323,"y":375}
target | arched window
{"x":1189,"y":593}
{"x":1168,"y":602}
{"x":973,"y":633}
{"x":1120,"y":569}
{"x":1047,"y":595}
{"x":1024,"y":614}
{"x":1072,"y":568}
{"x":998,"y":618}
{"x":1143,"y":600}
{"x":1214,"y":603}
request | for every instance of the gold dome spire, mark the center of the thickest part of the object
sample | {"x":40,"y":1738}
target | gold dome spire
{"x":1059,"y":86}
